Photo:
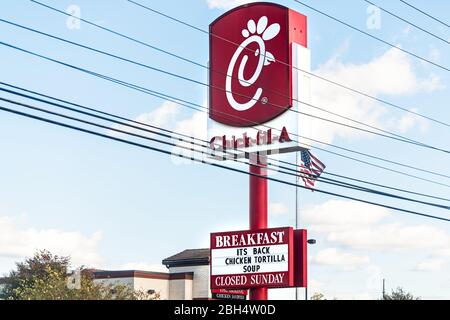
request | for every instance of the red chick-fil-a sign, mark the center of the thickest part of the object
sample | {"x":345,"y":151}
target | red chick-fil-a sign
{"x":255,"y":54}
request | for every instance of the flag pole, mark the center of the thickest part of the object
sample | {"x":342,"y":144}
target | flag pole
{"x":296,"y":212}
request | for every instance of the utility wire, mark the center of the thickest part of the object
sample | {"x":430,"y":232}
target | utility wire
{"x":154,"y":93}
{"x":204,"y":142}
{"x":176,"y":75}
{"x":199,"y":64}
{"x":336,"y":183}
{"x":325,"y":180}
{"x":408,"y":22}
{"x":371,"y":183}
{"x":362,"y":93}
{"x":61,"y":124}
{"x":213,"y":164}
{"x":401,"y":138}
{"x":206,"y":67}
{"x":428,"y":15}
{"x":374,"y":37}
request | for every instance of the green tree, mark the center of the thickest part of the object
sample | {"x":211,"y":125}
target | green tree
{"x":44,"y":277}
{"x":31,"y":269}
{"x":317,"y":296}
{"x":399,"y":294}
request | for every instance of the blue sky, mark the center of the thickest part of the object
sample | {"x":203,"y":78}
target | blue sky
{"x":112,"y":206}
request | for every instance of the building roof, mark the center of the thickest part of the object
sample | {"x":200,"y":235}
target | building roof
{"x":189,"y":257}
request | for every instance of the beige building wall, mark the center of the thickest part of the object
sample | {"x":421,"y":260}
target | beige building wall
{"x":160,"y":286}
{"x":169,"y":286}
{"x":200,"y":285}
{"x":180,"y":289}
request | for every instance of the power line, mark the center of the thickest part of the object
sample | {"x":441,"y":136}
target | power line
{"x":363,"y":189}
{"x":376,"y":184}
{"x":364,"y":94}
{"x":335,"y":183}
{"x":88,"y":108}
{"x":199,"y":64}
{"x":206,"y":67}
{"x":408,"y":22}
{"x":156,"y":94}
{"x":401,"y":138}
{"x":176,"y":75}
{"x":374,"y":37}
{"x":428,"y":15}
{"x":83,"y":107}
{"x":378,"y":166}
{"x":61,"y":124}
{"x":296,"y":174}
{"x":173,"y":132}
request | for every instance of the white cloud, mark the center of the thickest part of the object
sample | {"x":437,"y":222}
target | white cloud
{"x":436,"y":261}
{"x":392,"y":73}
{"x":167,"y":116}
{"x":360,"y":226}
{"x":357,"y":296}
{"x":407,"y":30}
{"x":435,"y":54}
{"x":335,"y":257}
{"x":342,"y":49}
{"x":431,"y":84}
{"x":408,"y":121}
{"x":392,"y":236}
{"x":277,"y":209}
{"x":430,"y":264}
{"x":18,"y":243}
{"x":335,"y":215}
{"x":162,"y":116}
{"x":227,"y":4}
{"x":357,"y":226}
{"x":195,"y":126}
{"x":315,"y":285}
{"x":445,"y":252}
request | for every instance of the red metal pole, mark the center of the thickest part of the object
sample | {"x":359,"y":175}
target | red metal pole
{"x":258,"y":212}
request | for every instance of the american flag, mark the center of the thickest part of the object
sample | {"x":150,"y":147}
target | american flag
{"x":311,"y":168}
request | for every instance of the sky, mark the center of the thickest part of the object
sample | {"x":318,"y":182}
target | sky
{"x":113,"y":206}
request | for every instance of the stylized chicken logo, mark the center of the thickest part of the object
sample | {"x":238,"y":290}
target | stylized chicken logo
{"x":259,"y":34}
{"x":251,"y":53}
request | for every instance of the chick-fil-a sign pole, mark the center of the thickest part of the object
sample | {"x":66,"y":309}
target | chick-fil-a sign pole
{"x":254,"y":81}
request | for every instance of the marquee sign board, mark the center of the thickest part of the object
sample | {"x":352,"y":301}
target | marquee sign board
{"x":250,"y":259}
{"x":228,"y":296}
{"x":256,"y":54}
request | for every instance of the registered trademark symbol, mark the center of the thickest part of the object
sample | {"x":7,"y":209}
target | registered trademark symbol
{"x":264,"y":100}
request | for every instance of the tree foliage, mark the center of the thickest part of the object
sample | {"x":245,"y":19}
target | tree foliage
{"x":45,"y":277}
{"x":399,"y":294}
{"x":317,"y":296}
